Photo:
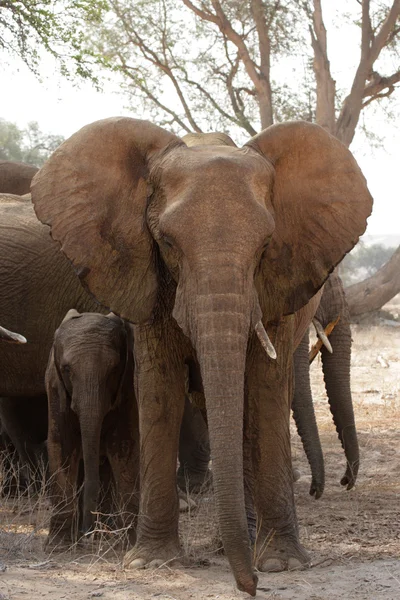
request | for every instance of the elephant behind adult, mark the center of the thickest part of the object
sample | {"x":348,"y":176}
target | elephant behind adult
{"x":336,"y":369}
{"x":203,"y":248}
{"x":38,"y":286}
{"x":16,"y":177}
{"x":92,"y":417}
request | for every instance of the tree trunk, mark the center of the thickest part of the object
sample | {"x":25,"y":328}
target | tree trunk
{"x":372,"y":293}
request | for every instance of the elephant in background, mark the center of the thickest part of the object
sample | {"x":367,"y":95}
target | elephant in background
{"x":38,"y":286}
{"x":16,"y":177}
{"x":336,"y":370}
{"x":92,"y":419}
{"x":209,"y":251}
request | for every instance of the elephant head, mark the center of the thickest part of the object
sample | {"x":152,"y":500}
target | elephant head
{"x":89,"y":364}
{"x":242,"y":237}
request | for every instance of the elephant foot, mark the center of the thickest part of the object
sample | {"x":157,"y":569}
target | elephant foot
{"x":276,"y":554}
{"x":316,"y":488}
{"x":296,"y":474}
{"x":152,"y":556}
{"x":186,"y":504}
{"x":350,"y":477}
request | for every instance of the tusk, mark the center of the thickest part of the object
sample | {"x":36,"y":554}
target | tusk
{"x":264,"y":339}
{"x":322,"y":335}
{"x":12,"y":337}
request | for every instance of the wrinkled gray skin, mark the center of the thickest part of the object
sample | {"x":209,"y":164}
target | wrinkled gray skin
{"x":203,"y":248}
{"x":336,"y":369}
{"x":16,"y":177}
{"x":92,"y":416}
{"x":38,"y":287}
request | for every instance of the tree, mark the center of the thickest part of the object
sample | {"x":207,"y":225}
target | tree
{"x":363,"y":261}
{"x":240,"y":66}
{"x":26,"y":26}
{"x":372,"y":293}
{"x":214,"y":63}
{"x":29,"y":145}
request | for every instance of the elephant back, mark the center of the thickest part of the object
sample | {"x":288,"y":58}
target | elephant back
{"x":38,"y":286}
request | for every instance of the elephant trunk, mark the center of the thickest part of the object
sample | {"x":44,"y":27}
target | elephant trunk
{"x":220,"y":332}
{"x":336,"y":368}
{"x":90,"y":425}
{"x":304,"y":415}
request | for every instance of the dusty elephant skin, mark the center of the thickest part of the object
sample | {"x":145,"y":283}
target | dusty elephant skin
{"x":16,"y":177}
{"x":92,"y":414}
{"x":196,"y":245}
{"x":38,"y":287}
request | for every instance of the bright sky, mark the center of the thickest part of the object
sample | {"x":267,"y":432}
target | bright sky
{"x":61,"y":108}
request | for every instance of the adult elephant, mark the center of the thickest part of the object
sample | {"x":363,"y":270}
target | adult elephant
{"x":16,"y":177}
{"x":38,"y":287}
{"x":205,"y":248}
{"x":336,"y":369}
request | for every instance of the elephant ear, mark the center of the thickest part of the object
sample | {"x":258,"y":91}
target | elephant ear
{"x":93,"y":194}
{"x":320,"y":202}
{"x":55,"y":389}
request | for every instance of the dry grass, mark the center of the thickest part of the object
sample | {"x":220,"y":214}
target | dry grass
{"x":343,"y":529}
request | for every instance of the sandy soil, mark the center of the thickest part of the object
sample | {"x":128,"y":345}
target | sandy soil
{"x":353,"y":537}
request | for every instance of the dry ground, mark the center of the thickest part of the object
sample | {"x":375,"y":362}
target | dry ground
{"x":353,"y":537}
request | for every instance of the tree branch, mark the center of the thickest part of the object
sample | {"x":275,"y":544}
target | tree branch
{"x":325,"y":109}
{"x":377,"y":84}
{"x":224,"y":25}
{"x":371,"y":47}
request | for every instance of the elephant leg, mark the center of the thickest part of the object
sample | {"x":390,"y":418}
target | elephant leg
{"x":122,"y":448}
{"x":194,"y":449}
{"x":65,"y":453}
{"x":160,"y":390}
{"x":63,"y":492}
{"x":304,"y":416}
{"x":269,"y":385}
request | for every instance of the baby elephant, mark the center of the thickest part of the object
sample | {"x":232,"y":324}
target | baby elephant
{"x":92,"y":422}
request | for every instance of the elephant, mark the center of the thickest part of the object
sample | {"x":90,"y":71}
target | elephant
{"x":38,"y":286}
{"x":336,"y":369}
{"x":209,"y":251}
{"x":16,"y":177}
{"x":92,"y":416}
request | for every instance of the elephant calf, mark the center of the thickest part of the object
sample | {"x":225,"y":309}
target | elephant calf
{"x":92,"y":420}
